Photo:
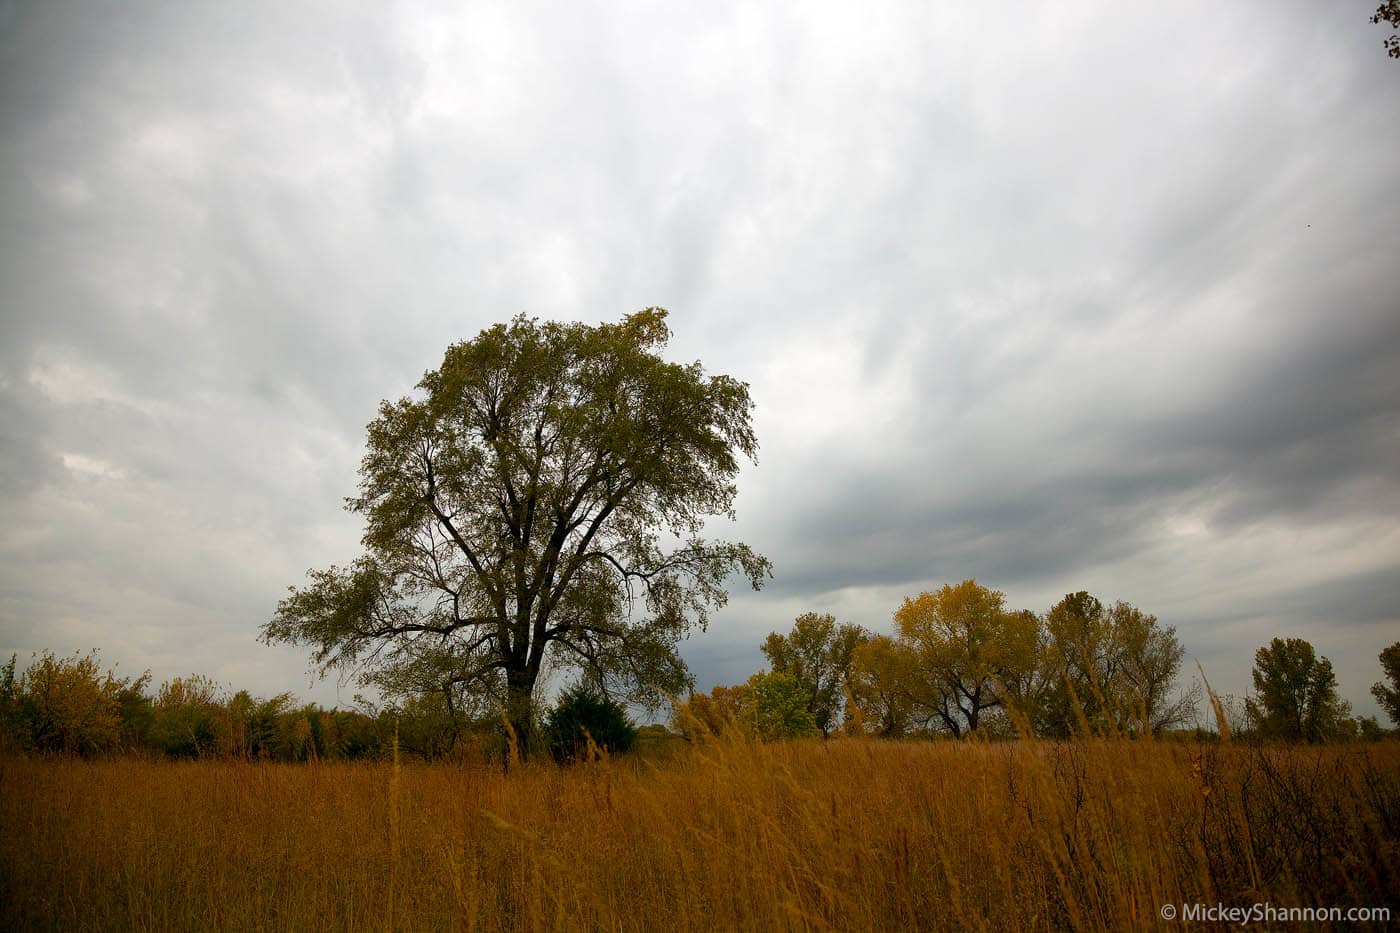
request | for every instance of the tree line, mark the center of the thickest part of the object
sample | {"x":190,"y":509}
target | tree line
{"x":536,"y":508}
{"x":960,"y":663}
{"x":71,"y":706}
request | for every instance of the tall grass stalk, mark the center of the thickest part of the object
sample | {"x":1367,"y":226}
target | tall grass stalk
{"x":726,"y":834}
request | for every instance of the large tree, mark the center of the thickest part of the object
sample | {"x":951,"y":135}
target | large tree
{"x":1111,"y":669}
{"x":965,"y":644}
{"x":817,"y":652}
{"x":539,"y":502}
{"x":882,"y":683}
{"x":1149,"y":659}
{"x":1387,"y":692}
{"x":1082,"y":667}
{"x":1296,"y":693}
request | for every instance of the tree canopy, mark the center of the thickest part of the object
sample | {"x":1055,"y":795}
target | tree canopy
{"x":817,"y":652}
{"x":1389,"y":12}
{"x":961,"y":663}
{"x":965,"y":642}
{"x":1111,"y":669}
{"x":883,"y":686}
{"x":1296,"y":693}
{"x":539,"y":502}
{"x":1387,"y":692}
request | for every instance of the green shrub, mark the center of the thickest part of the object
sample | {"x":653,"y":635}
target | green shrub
{"x":582,"y":714}
{"x":68,"y":706}
{"x":187,"y":717}
{"x":780,"y":707}
{"x":10,"y":733}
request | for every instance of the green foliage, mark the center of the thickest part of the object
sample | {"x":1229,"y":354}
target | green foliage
{"x":426,"y":725}
{"x":136,"y":711}
{"x":584,"y":715}
{"x":358,"y":735}
{"x":883,"y":686}
{"x":817,"y":653}
{"x":656,"y":742}
{"x":10,"y":732}
{"x":1081,"y":667}
{"x":706,"y":715}
{"x":1368,"y":729}
{"x":515,"y":512}
{"x":253,"y":725}
{"x":187,"y":717}
{"x":780,"y":707}
{"x":1389,"y":12}
{"x":1296,"y":694}
{"x":68,"y":706}
{"x":771,"y":705}
{"x":1387,"y":692}
{"x":1111,"y":671}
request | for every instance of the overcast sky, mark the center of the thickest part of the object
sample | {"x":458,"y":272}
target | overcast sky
{"x":1058,"y":296}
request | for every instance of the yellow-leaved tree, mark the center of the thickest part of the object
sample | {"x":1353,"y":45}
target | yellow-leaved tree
{"x":965,"y":647}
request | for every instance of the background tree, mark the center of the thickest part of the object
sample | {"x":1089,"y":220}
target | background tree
{"x":1369,"y":729}
{"x":515,"y":513}
{"x":965,"y":643}
{"x":1296,"y":693}
{"x":881,"y":694}
{"x":1082,"y":667}
{"x":1388,"y":694}
{"x":190,"y":716}
{"x":252,"y":724}
{"x":1149,"y":660}
{"x":1024,"y":688}
{"x":424,"y":723}
{"x":780,"y":707}
{"x":770,"y":705}
{"x":68,"y":705}
{"x":1111,"y":670}
{"x":706,"y":715}
{"x":10,"y":731}
{"x":817,"y":653}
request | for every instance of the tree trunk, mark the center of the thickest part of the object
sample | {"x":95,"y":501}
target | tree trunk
{"x":519,"y":712}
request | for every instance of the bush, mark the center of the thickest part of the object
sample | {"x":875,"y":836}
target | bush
{"x":780,"y":707}
{"x":770,"y":706}
{"x":10,"y":733}
{"x":189,"y":714}
{"x":68,"y":706}
{"x":425,"y":725}
{"x":723,"y":709}
{"x":582,"y":714}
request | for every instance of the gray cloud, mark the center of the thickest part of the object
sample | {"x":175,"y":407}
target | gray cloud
{"x":1095,"y":302}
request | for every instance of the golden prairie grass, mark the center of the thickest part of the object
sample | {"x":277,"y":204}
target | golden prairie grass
{"x":846,"y":834}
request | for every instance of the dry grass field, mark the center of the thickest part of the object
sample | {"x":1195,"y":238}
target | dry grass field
{"x":847,"y":834}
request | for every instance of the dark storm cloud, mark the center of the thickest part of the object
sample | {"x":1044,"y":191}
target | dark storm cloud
{"x":1367,"y":598}
{"x":1032,"y":306}
{"x":890,"y":537}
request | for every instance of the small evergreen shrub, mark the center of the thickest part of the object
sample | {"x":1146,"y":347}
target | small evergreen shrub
{"x":583,"y":713}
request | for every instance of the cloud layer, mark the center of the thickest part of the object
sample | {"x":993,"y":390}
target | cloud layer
{"x":1069,"y":300}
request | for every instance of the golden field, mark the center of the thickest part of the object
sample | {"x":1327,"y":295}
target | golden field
{"x":846,"y":834}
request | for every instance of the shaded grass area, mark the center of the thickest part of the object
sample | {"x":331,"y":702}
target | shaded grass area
{"x":846,"y":834}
